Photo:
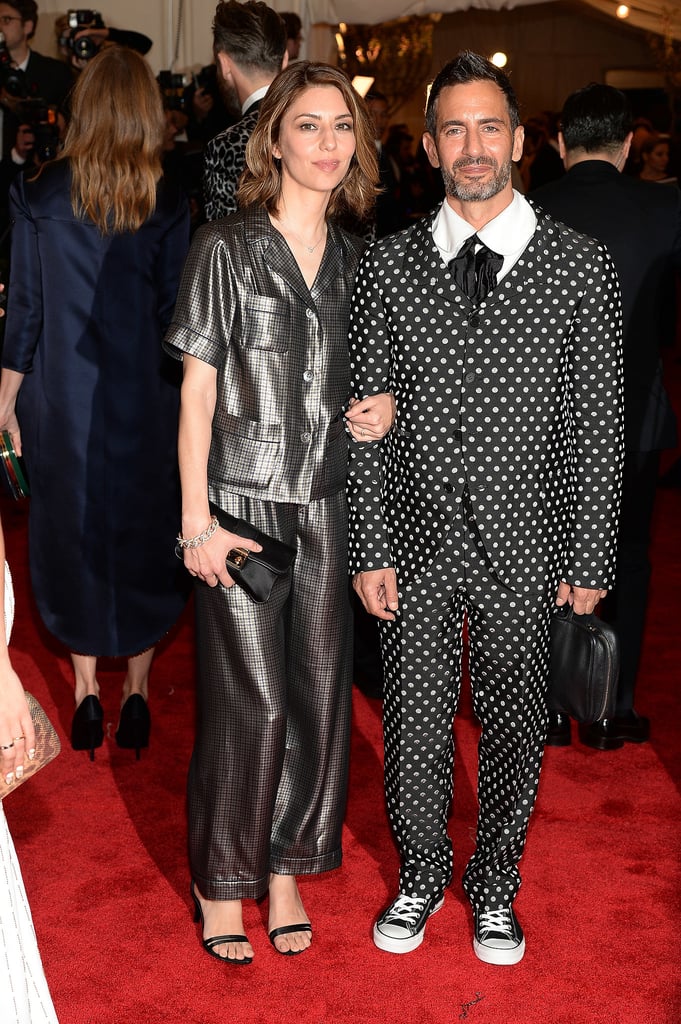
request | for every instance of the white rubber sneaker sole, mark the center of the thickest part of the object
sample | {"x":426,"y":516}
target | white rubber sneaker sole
{"x":392,"y":945}
{"x":499,"y":957}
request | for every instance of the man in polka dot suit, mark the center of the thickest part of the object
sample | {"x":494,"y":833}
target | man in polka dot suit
{"x":494,"y":497}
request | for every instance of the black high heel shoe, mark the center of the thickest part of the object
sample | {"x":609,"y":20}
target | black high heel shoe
{"x":134,"y":725}
{"x":216,"y":940}
{"x":87,"y":727}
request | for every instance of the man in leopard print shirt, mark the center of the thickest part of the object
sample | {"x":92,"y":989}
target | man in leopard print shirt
{"x":250,"y":47}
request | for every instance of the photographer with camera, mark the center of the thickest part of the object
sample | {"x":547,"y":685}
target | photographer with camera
{"x":39,"y":138}
{"x":81,"y":33}
{"x":208,"y":112}
{"x":25,"y":74}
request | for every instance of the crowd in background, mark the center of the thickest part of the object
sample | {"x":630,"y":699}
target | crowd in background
{"x":202,"y":130}
{"x":34,"y":104}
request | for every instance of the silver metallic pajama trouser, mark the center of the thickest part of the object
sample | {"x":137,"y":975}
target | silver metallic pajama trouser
{"x":268,"y":776}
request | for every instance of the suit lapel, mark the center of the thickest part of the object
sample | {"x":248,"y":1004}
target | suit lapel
{"x":332,"y":262}
{"x":281,"y":260}
{"x":423,"y":262}
{"x":536,"y":267}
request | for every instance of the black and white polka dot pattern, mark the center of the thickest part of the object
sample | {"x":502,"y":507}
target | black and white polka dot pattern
{"x":508,"y":641}
{"x":519,"y":398}
{"x":500,"y":478}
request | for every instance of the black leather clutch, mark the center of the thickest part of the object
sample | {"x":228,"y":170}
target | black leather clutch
{"x":585,"y":666}
{"x":256,"y":572}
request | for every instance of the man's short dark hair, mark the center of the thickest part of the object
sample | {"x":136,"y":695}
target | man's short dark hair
{"x":294,"y":25}
{"x":252,"y":34}
{"x":26,"y":9}
{"x":470,"y":67}
{"x":596,"y":117}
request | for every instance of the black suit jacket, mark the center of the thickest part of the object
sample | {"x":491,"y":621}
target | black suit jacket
{"x":640,"y":222}
{"x":49,"y":79}
{"x":46,"y":79}
{"x":517,"y":400}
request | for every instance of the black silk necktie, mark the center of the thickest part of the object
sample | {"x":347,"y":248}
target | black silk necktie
{"x":476,"y":272}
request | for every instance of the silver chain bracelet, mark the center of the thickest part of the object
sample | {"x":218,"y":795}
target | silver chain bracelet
{"x":201,"y":538}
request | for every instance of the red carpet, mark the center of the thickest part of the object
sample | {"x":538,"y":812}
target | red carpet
{"x":102,"y":848}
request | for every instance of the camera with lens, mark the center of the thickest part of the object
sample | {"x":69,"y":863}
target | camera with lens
{"x":42,"y":119}
{"x":207,"y":79}
{"x":12,"y":79}
{"x":174,"y":89}
{"x":85,"y":47}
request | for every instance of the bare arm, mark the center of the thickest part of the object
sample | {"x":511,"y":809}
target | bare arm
{"x":197,"y":407}
{"x":10,"y":382}
{"x":17,"y":735}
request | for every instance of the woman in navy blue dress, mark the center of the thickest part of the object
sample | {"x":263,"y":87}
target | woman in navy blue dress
{"x":98,"y":244}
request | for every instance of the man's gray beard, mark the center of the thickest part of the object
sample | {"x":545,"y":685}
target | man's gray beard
{"x":474,"y":192}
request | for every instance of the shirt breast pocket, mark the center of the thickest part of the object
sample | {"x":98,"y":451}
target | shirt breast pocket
{"x":243,"y":452}
{"x":265,"y":323}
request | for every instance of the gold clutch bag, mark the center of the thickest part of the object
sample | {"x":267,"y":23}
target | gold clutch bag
{"x":47,"y":746}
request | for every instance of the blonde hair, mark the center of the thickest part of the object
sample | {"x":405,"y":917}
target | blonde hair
{"x":114,"y":140}
{"x":261,"y":181}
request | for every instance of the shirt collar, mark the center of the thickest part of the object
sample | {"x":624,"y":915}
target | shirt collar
{"x":253,"y":98}
{"x":508,"y":232}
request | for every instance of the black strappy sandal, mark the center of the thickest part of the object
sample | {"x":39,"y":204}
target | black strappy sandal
{"x":217,"y":940}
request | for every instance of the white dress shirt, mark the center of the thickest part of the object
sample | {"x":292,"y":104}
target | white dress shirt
{"x":507,"y":234}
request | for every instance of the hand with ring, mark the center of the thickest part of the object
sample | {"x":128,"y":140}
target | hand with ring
{"x":207,"y":562}
{"x":371,"y":418}
{"x":17,"y":735}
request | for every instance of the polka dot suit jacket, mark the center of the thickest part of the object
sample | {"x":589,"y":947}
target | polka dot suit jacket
{"x":518,"y":401}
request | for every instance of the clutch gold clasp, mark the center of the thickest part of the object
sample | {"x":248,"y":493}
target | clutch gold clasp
{"x":237,"y":557}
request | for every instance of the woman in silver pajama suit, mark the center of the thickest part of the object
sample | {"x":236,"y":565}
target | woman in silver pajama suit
{"x":262,"y":323}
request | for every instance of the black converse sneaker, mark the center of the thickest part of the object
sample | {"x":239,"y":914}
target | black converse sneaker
{"x":401,"y":927}
{"x":498,"y":937}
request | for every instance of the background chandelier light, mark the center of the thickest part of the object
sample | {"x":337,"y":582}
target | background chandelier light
{"x":362,"y":84}
{"x":622,"y":11}
{"x":499,"y":59}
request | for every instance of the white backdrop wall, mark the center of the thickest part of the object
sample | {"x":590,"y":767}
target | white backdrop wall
{"x":554,"y":47}
{"x":158,"y":20}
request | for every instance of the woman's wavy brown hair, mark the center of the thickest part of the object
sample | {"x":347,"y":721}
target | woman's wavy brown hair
{"x":114,"y":139}
{"x":261,"y":181}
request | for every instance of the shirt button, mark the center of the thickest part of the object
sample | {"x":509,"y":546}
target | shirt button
{"x":470,"y":377}
{"x":308,"y":376}
{"x":457,"y":436}
{"x":306,"y":436}
{"x":473,"y":322}
{"x":310,"y":314}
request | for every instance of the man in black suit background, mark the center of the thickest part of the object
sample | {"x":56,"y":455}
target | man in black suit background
{"x":641,"y":225}
{"x":32,"y":74}
{"x":249,"y":41}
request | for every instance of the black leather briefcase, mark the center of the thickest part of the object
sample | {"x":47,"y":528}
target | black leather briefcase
{"x":585,"y":666}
